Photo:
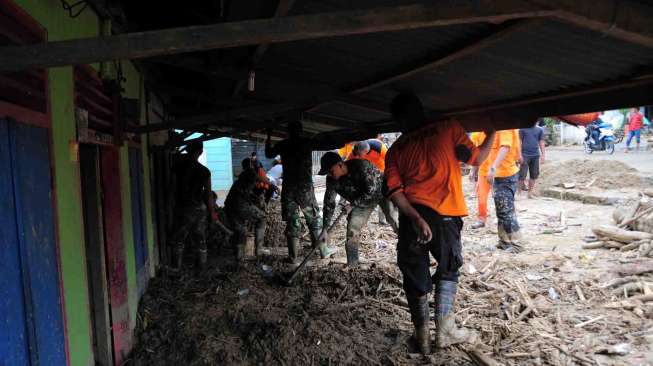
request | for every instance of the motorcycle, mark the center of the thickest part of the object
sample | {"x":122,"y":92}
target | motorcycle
{"x":605,"y":140}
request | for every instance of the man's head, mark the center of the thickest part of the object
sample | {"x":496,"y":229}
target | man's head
{"x":407,"y":111}
{"x":361,"y":148}
{"x":195,"y":149}
{"x":295,"y":129}
{"x":253,"y":156}
{"x":634,"y":109}
{"x":246,"y":164}
{"x":331,"y":164}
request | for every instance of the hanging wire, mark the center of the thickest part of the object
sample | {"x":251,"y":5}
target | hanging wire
{"x":70,"y":8}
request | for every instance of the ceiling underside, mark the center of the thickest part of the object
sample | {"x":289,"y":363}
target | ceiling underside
{"x":346,"y":83}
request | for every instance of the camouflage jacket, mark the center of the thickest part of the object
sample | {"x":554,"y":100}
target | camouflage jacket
{"x":361,"y":187}
{"x":243,"y":191}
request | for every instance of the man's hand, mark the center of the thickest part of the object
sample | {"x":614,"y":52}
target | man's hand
{"x":542,"y":159}
{"x":324,"y":236}
{"x":490,"y":175}
{"x":424,"y":234}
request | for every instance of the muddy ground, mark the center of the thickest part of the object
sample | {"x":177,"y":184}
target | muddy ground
{"x":548,"y":305}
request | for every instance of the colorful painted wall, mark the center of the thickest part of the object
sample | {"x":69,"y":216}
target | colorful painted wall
{"x":59,"y":26}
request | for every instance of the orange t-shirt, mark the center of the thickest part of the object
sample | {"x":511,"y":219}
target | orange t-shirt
{"x":508,"y":167}
{"x":346,"y":150}
{"x":422,"y":164}
{"x":376,"y":155}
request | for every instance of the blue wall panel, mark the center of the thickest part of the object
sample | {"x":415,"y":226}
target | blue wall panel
{"x":13,"y":336}
{"x":218,"y":160}
{"x":34,"y":213}
{"x":138,"y":217}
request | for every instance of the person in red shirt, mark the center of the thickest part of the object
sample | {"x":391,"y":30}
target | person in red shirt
{"x":424,"y":180}
{"x":635,"y":123}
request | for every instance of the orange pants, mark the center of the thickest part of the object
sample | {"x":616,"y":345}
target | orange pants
{"x":483,"y":189}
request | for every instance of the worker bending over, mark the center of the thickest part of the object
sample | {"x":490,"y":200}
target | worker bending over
{"x":424,"y":181}
{"x":245,"y":204}
{"x":298,"y":194}
{"x":360,"y":183}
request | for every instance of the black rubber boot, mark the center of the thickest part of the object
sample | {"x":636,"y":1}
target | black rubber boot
{"x":179,"y":257}
{"x":259,"y":239}
{"x":293,"y":250}
{"x":419,"y":314}
{"x":352,"y":254}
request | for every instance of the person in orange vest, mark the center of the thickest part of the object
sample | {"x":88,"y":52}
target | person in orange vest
{"x":482,"y":187}
{"x":424,"y":180}
{"x":503,"y":175}
{"x":346,"y":150}
{"x":374,"y":151}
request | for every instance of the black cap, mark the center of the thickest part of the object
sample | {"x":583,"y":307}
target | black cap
{"x":328,"y":160}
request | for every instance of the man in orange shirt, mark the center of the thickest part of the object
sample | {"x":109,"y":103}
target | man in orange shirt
{"x":374,"y":151}
{"x":424,"y":180}
{"x":502,"y":173}
{"x":483,"y":188}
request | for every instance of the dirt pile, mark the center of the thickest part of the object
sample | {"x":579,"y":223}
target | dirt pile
{"x":332,"y":316}
{"x":604,"y":174}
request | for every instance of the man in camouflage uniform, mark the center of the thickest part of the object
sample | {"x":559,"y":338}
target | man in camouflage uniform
{"x":244,"y":205}
{"x":359,"y":182}
{"x":194,"y":202}
{"x":297,"y":193}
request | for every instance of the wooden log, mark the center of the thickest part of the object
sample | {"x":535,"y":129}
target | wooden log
{"x":611,"y":244}
{"x":620,"y":235}
{"x":481,"y":358}
{"x":264,"y":31}
{"x":595,"y":245}
{"x":633,"y":269}
{"x":634,"y":245}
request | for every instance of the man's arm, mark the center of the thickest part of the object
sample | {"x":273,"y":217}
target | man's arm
{"x":503,"y":152}
{"x":542,"y":157}
{"x":329,"y":204}
{"x":484,"y":149}
{"x":209,"y":195}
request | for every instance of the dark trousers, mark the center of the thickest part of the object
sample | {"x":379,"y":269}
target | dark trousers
{"x":504,"y":202}
{"x":413,"y":258}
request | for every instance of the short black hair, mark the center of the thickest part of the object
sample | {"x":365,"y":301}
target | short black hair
{"x":195,"y":146}
{"x":246,"y":163}
{"x":402,"y":102}
{"x":253,"y":153}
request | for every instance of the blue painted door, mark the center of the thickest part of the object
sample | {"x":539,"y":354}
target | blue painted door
{"x":138,"y":217}
{"x":35,"y":243}
{"x":13,"y":332}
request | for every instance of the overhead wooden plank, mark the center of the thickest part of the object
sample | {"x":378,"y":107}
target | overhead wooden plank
{"x":224,"y":35}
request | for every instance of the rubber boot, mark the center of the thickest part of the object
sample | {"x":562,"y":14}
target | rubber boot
{"x":259,"y":239}
{"x":293,"y":250}
{"x":352,"y":254}
{"x":325,"y":251}
{"x":179,"y":257}
{"x":419,"y":314}
{"x":447,"y":333}
{"x":202,"y":256}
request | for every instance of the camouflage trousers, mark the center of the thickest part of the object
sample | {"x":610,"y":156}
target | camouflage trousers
{"x":291,"y":205}
{"x":504,"y":202}
{"x":192,"y":225}
{"x":241,"y":216}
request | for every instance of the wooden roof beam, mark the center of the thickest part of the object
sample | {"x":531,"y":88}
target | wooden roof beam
{"x":622,"y":19}
{"x":274,"y":30}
